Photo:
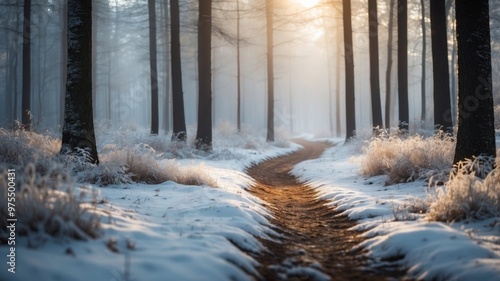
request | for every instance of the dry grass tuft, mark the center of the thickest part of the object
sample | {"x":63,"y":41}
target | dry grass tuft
{"x":466,"y":195}
{"x":407,"y":158}
{"x":143,"y":166}
{"x":48,"y":205}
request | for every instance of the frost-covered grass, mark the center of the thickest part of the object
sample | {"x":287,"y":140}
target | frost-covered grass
{"x":471,"y":193}
{"x":408,"y":158}
{"x":132,"y":154}
{"x":225,"y":138}
{"x":19,"y":147}
{"x":49,"y":205}
{"x":47,"y":200}
{"x":188,"y":231}
{"x":48,"y":183}
{"x":397,"y":219}
{"x":142,"y":164}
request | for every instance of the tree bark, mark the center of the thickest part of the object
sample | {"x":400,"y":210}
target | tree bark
{"x":349,"y":72}
{"x":238,"y":67}
{"x":78,"y":130}
{"x":453,"y":68}
{"x":179,"y":122}
{"x":204,"y":131}
{"x":388,"y":71}
{"x":64,"y":57}
{"x":338,"y":61}
{"x":403,"y":65}
{"x":476,"y":130}
{"x":424,"y":65}
{"x":442,"y":107}
{"x":168,"y":74}
{"x":374,"y":65}
{"x":26,"y":97}
{"x":94,"y":58}
{"x":153,"y":68}
{"x":270,"y":70}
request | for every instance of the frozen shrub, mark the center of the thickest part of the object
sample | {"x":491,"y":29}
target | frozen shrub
{"x":143,"y":166}
{"x":105,"y":174}
{"x":467,"y":196}
{"x":20,"y":147}
{"x":190,"y":175}
{"x":48,"y":205}
{"x":409,"y":158}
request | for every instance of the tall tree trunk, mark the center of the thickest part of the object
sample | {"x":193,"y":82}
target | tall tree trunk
{"x":204,"y":131}
{"x":78,"y":130}
{"x":424,"y":57}
{"x":8,"y":82}
{"x":388,"y":72}
{"x":404,"y":115}
{"x":338,"y":122}
{"x":350,"y":109}
{"x":179,"y":132}
{"x":11,"y":74}
{"x":166,"y":97}
{"x":238,"y":67}
{"x":442,"y":107}
{"x":26,"y":98}
{"x":153,"y":67}
{"x":94,"y":58}
{"x":270,"y":69}
{"x":453,"y":68}
{"x":453,"y":80}
{"x":476,"y":130}
{"x":330,"y":90}
{"x":15,"y":77}
{"x":374,"y":65}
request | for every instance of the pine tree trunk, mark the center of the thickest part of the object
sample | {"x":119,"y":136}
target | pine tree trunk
{"x":26,"y":97}
{"x":388,"y":72}
{"x":168,"y":74}
{"x":404,"y":115}
{"x":424,"y":65}
{"x":153,"y":67}
{"x":270,"y":70}
{"x":476,"y":130}
{"x":349,"y":69}
{"x":204,"y":131}
{"x":374,"y":65}
{"x":442,"y":107}
{"x":179,"y":122}
{"x":339,"y":36}
{"x":238,"y":67}
{"x":78,"y":130}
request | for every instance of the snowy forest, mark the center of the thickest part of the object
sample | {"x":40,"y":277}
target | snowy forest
{"x":249,"y":140}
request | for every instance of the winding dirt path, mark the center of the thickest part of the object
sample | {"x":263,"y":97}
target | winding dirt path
{"x":315,"y":242}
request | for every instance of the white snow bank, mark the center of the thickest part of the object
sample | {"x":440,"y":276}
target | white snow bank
{"x":166,"y":231}
{"x":430,"y":250}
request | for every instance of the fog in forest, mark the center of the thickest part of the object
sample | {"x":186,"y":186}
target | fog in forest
{"x":308,"y":63}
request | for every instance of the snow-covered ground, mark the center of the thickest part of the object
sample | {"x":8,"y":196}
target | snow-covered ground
{"x":430,"y":250}
{"x":165,"y":231}
{"x":170,"y":231}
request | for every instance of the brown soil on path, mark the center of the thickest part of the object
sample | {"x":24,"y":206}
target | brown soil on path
{"x":315,"y":242}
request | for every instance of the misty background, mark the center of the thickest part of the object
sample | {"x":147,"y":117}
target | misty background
{"x":308,"y":63}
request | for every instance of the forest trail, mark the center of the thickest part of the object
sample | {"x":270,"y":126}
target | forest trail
{"x":316,"y":243}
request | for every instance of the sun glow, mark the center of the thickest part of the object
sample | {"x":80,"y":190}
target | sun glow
{"x":307,"y":3}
